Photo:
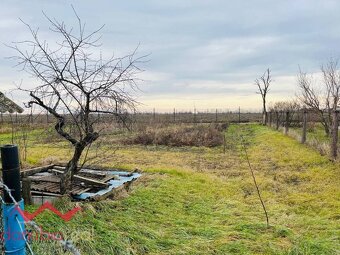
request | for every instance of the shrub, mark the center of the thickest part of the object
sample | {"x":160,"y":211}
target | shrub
{"x":198,"y":135}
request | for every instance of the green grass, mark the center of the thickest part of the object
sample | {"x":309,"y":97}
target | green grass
{"x":202,"y":201}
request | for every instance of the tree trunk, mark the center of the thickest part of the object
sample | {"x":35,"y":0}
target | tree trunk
{"x":71,"y":167}
{"x":264,"y":118}
{"x":334,"y":141}
{"x":325,"y":123}
{"x":287,"y":123}
{"x":304,"y":127}
{"x":264,"y":113}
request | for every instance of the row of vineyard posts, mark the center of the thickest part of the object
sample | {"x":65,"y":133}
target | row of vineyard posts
{"x":301,"y":119}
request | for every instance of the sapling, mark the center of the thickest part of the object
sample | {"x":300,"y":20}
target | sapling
{"x":254,"y":179}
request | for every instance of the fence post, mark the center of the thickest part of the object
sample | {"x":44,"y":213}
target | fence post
{"x":270,"y":118}
{"x":26,"y":191}
{"x":287,"y":123}
{"x":304,"y":127}
{"x":239,"y":114}
{"x":335,"y":130}
{"x":174,"y":114}
{"x":12,"y":218}
{"x":277,"y":120}
{"x":216,"y":117}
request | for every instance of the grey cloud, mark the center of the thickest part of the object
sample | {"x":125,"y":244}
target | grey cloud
{"x":226,"y":42}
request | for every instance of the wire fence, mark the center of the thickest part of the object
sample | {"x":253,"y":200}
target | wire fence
{"x":66,"y":244}
{"x":175,"y":116}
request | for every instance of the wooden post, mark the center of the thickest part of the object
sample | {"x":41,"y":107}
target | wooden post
{"x":174,"y":114}
{"x":335,"y":130}
{"x":26,"y":191}
{"x":216,"y":116}
{"x":239,"y":114}
{"x":304,"y":127}
{"x":270,"y":118}
{"x":287,"y":123}
{"x":277,"y":120}
{"x":154,"y":114}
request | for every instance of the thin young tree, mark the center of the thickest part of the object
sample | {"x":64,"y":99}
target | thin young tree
{"x":263,"y":84}
{"x":76,"y":84}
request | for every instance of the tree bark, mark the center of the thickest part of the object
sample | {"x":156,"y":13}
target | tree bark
{"x":287,"y":123}
{"x":325,"y":123}
{"x":304,"y":127}
{"x":264,"y":118}
{"x":334,"y":141}
{"x":71,"y":168}
{"x":264,"y":113}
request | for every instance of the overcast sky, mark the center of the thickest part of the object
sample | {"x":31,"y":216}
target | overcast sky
{"x":204,"y":53}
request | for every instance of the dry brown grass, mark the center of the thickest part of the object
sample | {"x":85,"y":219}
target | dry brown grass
{"x":180,"y":135}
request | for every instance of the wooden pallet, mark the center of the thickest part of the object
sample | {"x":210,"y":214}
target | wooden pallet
{"x":50,"y":184}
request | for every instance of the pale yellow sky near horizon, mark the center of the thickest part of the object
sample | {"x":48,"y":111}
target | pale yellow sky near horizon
{"x":282,"y":88}
{"x":219,"y":102}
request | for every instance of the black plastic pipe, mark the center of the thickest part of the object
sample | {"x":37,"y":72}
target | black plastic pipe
{"x":11,"y":171}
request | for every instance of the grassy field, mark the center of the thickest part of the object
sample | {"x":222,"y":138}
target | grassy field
{"x":198,"y":200}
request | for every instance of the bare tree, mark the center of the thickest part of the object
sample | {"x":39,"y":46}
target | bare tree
{"x":263,"y":84}
{"x":322,"y":99}
{"x":331,"y":77}
{"x":76,"y":84}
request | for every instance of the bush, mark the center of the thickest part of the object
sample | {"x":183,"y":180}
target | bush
{"x":199,"y":135}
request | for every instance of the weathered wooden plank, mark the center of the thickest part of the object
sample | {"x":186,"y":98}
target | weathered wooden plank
{"x":83,"y":179}
{"x":35,"y":192}
{"x":79,"y":190}
{"x":27,"y":172}
{"x":98,"y":175}
{"x":50,"y":178}
{"x":110,"y":177}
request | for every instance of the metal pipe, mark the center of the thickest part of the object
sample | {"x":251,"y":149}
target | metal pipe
{"x":13,"y":221}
